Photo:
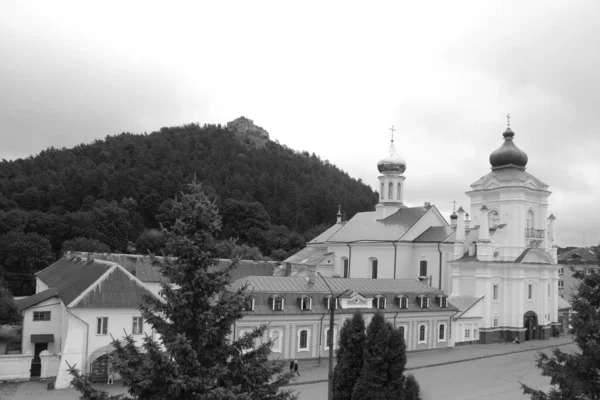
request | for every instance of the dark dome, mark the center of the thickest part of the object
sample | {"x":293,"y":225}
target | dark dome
{"x":392,"y":163}
{"x":508,"y":153}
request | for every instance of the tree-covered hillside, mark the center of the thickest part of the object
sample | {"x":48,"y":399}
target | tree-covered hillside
{"x":114,"y":193}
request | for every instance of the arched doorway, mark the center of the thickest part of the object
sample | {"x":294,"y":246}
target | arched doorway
{"x":100,"y":369}
{"x":530,"y":323}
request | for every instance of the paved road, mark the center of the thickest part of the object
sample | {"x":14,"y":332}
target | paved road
{"x":495,"y":378}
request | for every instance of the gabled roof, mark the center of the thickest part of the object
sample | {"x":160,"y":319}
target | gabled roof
{"x":365,"y":227}
{"x":275,"y":285}
{"x":37,"y":298}
{"x":563,"y":304}
{"x":308,"y":256}
{"x":464,"y":302}
{"x":437,"y":234}
{"x":324,"y":237}
{"x":116,"y":289}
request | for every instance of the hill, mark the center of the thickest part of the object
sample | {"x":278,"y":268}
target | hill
{"x":112,"y":195}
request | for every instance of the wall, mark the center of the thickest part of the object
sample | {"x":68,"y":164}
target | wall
{"x":15,"y":366}
{"x":39,"y":285}
{"x":74,"y":351}
{"x":54,"y":326}
{"x":50,"y":364}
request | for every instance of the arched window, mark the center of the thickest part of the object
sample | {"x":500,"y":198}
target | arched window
{"x":374,"y":268}
{"x":243,"y":332}
{"x":402,"y":301}
{"x":276,"y":336}
{"x":442,"y":332}
{"x":424,"y":302}
{"x":303,"y":336}
{"x":332,"y":301}
{"x":423,"y":268}
{"x":443,"y":301}
{"x":249,"y":304}
{"x":346,"y":267}
{"x":422,"y":334}
{"x":493,"y":218}
{"x":277,"y":302}
{"x":399,"y":193}
{"x":402,"y":331}
{"x":305,"y":303}
{"x":530,"y":220}
{"x":391,"y":190}
{"x":382,"y":188}
{"x":379,"y":302}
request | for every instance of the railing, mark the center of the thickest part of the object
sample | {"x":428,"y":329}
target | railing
{"x":534,"y":233}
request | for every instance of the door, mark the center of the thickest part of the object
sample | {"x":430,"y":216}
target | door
{"x":100,"y":369}
{"x":36,"y":363}
{"x":530,"y":325}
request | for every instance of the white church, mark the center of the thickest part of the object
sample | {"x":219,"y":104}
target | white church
{"x":498,"y":266}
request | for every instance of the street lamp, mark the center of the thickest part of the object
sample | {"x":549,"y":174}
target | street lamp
{"x":332,"y":305}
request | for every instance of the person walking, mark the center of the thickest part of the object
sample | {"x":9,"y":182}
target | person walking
{"x":294,"y":367}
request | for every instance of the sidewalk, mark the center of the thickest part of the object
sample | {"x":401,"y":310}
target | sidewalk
{"x":432,"y":358}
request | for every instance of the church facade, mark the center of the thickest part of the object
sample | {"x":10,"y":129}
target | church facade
{"x":498,"y":267}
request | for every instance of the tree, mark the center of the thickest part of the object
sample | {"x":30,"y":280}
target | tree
{"x":384,"y":359}
{"x":195,"y":358}
{"x":576,"y":375}
{"x":9,"y":312}
{"x":412,"y":391}
{"x":25,"y":252}
{"x":349,"y":357}
{"x":85,"y":244}
{"x":150,"y":240}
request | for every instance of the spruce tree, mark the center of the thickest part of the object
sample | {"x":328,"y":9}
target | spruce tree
{"x":576,"y":375}
{"x":195,"y":358}
{"x":412,"y":391}
{"x":384,"y":359}
{"x":349,"y":357}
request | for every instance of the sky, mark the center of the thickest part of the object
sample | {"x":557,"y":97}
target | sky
{"x":328,"y":77}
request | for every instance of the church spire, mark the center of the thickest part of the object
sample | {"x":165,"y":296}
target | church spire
{"x":391,"y":180}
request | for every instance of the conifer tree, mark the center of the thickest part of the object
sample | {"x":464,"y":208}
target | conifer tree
{"x":349,"y":357}
{"x":412,"y":391}
{"x":195,"y":358}
{"x":384,"y":359}
{"x":576,"y":375}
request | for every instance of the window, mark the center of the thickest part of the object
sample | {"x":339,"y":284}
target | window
{"x":561,"y":285}
{"x":422,"y":334}
{"x":561,"y":271}
{"x":495,"y":292}
{"x":390,"y":191}
{"x":330,"y":302}
{"x":402,"y":331}
{"x":403,"y":302}
{"x":243,"y":332}
{"x":424,"y":302}
{"x":276,"y":336}
{"x":475,"y":334}
{"x":303,"y":340}
{"x":495,"y":322}
{"x":41,"y":315}
{"x":379,"y":302}
{"x":493,"y":218}
{"x":423,"y":268}
{"x":467,"y":333}
{"x":442,"y":332}
{"x":529,"y":292}
{"x":530,"y":219}
{"x":137,"y":325}
{"x":398,"y":195}
{"x":374,"y":269}
{"x":443,"y":302}
{"x":549,"y":291}
{"x":305,"y":303}
{"x":346,"y":268}
{"x":326,"y":339}
{"x":101,"y":325}
{"x":278,"y":303}
{"x":249,"y":304}
{"x":381,"y":194}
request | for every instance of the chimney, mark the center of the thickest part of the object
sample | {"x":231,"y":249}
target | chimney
{"x":339,"y":214}
{"x":427,"y":204}
{"x":288,"y":269}
{"x":311,"y":274}
{"x":484,"y":229}
{"x":460,"y":225}
{"x":467,"y":221}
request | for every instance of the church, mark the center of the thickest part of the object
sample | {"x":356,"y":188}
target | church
{"x":496,"y":264}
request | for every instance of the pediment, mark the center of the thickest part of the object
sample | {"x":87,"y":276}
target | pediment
{"x":537,"y":256}
{"x":356,"y":300}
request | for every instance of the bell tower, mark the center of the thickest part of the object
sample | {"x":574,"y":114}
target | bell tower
{"x":391,"y":182}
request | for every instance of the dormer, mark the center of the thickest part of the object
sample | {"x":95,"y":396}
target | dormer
{"x":277,"y":302}
{"x":305,"y":303}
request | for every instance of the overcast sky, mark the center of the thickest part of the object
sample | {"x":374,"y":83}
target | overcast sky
{"x":327,"y":77}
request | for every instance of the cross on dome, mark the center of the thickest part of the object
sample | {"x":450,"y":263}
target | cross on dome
{"x":392,"y":130}
{"x":508,"y":120}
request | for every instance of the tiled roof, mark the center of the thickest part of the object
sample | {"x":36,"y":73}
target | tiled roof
{"x":582,"y":255}
{"x":323,"y":237}
{"x":118,"y":289}
{"x":274,"y":285}
{"x":365,"y":227}
{"x":563,"y":304}
{"x":71,"y":276}
{"x":37,"y":298}
{"x":436,"y":234}
{"x":463,"y":301}
{"x":308,"y":256}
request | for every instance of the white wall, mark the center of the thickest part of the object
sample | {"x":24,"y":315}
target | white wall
{"x":74,"y":351}
{"x":53,"y":327}
{"x":15,"y":366}
{"x":39,"y":285}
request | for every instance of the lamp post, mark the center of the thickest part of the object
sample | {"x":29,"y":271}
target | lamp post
{"x":332,"y":305}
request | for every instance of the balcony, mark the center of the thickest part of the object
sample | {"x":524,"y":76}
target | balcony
{"x":531,"y":233}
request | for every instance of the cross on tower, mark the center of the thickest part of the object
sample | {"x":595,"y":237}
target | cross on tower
{"x":508,"y":120}
{"x":392,"y":129}
{"x":454,"y":205}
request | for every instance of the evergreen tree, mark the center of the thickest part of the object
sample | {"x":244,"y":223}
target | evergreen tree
{"x":576,"y":375}
{"x":349,"y":357}
{"x":412,"y":391}
{"x":384,"y":359}
{"x":9,"y":312}
{"x":195,"y":358}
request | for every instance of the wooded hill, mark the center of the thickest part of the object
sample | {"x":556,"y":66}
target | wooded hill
{"x":113,"y":194}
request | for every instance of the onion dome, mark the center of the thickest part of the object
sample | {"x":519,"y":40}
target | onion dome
{"x":508,"y":154}
{"x":392,"y":163}
{"x":453,"y":215}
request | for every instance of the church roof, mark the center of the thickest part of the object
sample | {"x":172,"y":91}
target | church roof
{"x":365,"y":227}
{"x":279,"y":285}
{"x":308,"y":256}
{"x":463,"y":301}
{"x":508,"y":176}
{"x":323,"y":237}
{"x":437,"y":234}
